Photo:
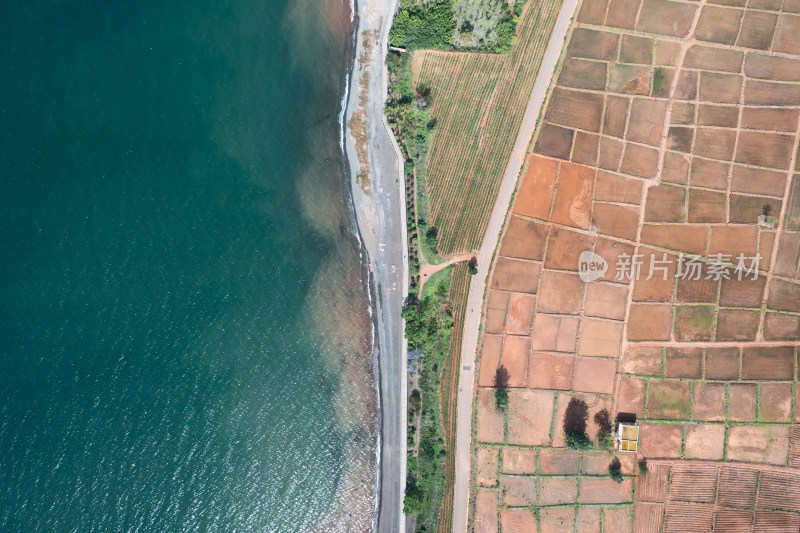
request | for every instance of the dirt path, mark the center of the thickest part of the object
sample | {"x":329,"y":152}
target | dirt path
{"x":475,"y":301}
{"x":428,"y":270}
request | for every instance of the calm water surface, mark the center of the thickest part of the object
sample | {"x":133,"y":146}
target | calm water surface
{"x":184,"y":328}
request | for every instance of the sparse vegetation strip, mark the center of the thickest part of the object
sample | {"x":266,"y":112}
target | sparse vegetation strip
{"x":429,"y":324}
{"x":459,"y":290}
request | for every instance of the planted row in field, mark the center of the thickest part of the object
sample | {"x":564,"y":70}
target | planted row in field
{"x":478,"y":101}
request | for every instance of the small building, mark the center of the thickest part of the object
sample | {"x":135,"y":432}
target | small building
{"x":628,"y":436}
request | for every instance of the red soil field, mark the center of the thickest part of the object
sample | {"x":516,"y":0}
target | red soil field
{"x":664,"y":138}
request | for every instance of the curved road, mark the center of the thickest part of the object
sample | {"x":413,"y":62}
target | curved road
{"x":477,"y":287}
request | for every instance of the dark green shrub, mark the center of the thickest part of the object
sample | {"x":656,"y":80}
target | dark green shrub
{"x":413,"y":502}
{"x":418,"y":26}
{"x":473,"y":265}
{"x":578,"y":440}
{"x":405,"y":89}
{"x":604,"y":429}
{"x":501,"y":378}
{"x":414,"y":402}
{"x":659,"y":77}
{"x":615,"y":470}
{"x":501,"y":399}
{"x":431,"y":238}
{"x":505,"y":36}
{"x":575,"y":425}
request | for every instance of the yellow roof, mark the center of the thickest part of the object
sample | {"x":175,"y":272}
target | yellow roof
{"x":627,"y":445}
{"x":630,"y":432}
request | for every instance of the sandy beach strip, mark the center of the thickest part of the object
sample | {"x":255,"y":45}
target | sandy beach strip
{"x":378,"y":192}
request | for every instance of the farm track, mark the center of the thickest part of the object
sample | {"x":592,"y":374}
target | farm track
{"x":472,"y":144}
{"x":427,"y":270}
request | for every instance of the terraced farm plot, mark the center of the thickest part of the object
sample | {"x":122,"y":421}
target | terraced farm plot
{"x":478,"y":101}
{"x":567,"y":490}
{"x":698,"y":495}
{"x":669,"y":148}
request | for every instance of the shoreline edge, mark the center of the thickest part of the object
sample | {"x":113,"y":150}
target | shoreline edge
{"x":374,"y":172}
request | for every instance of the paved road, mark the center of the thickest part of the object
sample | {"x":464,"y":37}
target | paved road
{"x":394,"y":377}
{"x":381,"y":215}
{"x":389,"y":264}
{"x":476,"y":290}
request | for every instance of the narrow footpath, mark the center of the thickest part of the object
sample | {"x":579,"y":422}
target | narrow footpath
{"x":427,"y":270}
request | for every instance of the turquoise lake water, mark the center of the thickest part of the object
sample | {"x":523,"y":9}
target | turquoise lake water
{"x":184,"y":328}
